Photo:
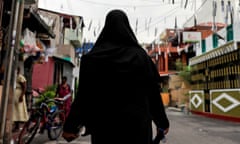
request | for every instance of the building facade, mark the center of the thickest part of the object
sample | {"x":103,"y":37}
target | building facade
{"x":215,"y":71}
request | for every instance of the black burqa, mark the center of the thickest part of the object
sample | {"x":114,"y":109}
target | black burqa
{"x":118,"y":94}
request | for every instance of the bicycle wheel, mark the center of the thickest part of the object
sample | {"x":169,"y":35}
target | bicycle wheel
{"x":29,"y":130}
{"x":55,"y":124}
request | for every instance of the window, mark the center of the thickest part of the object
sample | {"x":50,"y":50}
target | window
{"x":229,"y":33}
{"x":203,"y":46}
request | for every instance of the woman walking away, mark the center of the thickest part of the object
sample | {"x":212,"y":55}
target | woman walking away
{"x":118,"y":93}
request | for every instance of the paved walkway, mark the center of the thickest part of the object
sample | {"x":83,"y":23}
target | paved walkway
{"x":185,"y":128}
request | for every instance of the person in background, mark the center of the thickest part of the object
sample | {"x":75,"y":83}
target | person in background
{"x":20,"y":113}
{"x":118,"y":94}
{"x":64,"y":93}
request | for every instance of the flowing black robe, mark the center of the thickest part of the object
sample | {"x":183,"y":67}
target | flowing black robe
{"x":118,"y":94}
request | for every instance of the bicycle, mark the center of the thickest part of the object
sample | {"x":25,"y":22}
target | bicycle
{"x":43,"y":117}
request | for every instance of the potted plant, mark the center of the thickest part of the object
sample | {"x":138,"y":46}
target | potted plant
{"x":165,"y":95}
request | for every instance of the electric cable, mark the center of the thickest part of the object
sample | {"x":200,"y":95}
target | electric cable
{"x":136,"y":6}
{"x":168,"y":14}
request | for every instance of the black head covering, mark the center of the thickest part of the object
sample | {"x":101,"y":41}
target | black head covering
{"x":117,"y":30}
{"x":115,"y":38}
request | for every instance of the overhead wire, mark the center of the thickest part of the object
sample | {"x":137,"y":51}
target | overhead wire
{"x":134,"y":6}
{"x":128,"y":5}
{"x":124,"y":5}
{"x":156,"y":20}
{"x":203,"y":3}
{"x":167,"y":14}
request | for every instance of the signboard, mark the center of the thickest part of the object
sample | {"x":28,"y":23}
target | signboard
{"x":192,"y":37}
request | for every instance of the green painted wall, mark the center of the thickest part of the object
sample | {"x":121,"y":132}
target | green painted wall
{"x":225,"y":102}
{"x":201,"y":106}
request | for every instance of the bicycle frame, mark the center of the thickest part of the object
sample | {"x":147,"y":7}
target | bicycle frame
{"x":46,"y":113}
{"x":44,"y":119}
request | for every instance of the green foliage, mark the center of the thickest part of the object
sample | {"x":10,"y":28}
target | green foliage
{"x":184,"y":70}
{"x":165,"y":90}
{"x":186,"y":75}
{"x":49,"y":93}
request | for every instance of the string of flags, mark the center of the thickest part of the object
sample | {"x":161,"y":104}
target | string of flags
{"x":148,"y":21}
{"x":136,"y":26}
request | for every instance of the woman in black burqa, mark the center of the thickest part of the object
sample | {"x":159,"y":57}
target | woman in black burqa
{"x":118,"y":94}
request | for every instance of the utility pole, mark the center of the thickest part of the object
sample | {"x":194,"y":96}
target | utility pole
{"x":9,"y":75}
{"x":19,"y":30}
{"x":5,"y":92}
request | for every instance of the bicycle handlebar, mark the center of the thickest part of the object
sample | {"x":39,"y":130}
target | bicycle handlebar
{"x":55,"y":101}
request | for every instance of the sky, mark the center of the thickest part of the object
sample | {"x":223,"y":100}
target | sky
{"x":148,"y":18}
